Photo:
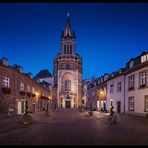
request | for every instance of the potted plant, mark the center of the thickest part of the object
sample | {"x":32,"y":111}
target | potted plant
{"x":90,"y":113}
{"x":26,"y":118}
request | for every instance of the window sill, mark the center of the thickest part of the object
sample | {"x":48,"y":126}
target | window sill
{"x":143,"y":87}
{"x":131,"y":89}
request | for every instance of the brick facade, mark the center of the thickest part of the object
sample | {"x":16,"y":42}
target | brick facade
{"x":37,"y":96}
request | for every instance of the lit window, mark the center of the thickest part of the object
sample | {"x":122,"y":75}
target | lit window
{"x":5,"y":82}
{"x":21,"y":86}
{"x":131,"y":103}
{"x":143,"y":79}
{"x":144,"y":58}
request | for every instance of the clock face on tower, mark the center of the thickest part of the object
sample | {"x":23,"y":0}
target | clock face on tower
{"x":68,"y":70}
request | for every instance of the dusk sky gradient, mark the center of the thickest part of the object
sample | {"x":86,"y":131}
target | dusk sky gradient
{"x":108,"y":34}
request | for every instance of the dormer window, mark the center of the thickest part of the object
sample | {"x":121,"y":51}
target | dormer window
{"x":131,"y":64}
{"x":144,"y":58}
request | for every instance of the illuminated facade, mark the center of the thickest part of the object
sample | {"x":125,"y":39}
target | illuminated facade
{"x":68,"y":71}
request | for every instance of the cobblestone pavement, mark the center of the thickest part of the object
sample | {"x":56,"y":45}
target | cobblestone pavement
{"x":71,"y":127}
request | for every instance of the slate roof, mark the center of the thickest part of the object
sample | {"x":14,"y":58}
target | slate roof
{"x":43,"y":74}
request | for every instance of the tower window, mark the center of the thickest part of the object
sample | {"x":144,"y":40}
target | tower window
{"x":67,"y":49}
{"x":67,"y":85}
{"x":70,"y":49}
{"x":64,"y":49}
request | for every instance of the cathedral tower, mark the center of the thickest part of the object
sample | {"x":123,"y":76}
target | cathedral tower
{"x":68,"y":71}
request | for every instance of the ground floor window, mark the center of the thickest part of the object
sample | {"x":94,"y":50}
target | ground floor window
{"x":146,"y":103}
{"x":131,"y":103}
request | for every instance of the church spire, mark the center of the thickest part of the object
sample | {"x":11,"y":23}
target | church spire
{"x":68,"y":39}
{"x":68,"y":30}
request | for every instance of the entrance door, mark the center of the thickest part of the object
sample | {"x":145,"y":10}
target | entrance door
{"x":33,"y":107}
{"x":118,"y":107}
{"x":67,"y":104}
{"x":23,"y":107}
{"x":19,"y":108}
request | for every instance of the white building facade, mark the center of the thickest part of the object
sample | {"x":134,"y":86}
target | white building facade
{"x":115,"y":94}
{"x":136,"y":82}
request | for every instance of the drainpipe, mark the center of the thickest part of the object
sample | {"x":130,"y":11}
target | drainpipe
{"x":124,"y":94}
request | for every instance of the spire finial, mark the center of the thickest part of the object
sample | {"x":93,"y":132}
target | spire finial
{"x":68,"y":14}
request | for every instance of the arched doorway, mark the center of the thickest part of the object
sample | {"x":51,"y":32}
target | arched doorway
{"x":68,"y":102}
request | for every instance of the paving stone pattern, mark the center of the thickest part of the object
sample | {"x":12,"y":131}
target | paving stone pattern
{"x":71,"y":127}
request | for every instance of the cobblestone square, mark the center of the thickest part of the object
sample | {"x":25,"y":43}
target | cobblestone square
{"x":71,"y":127}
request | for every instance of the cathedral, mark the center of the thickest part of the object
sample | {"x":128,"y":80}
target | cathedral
{"x":68,"y":71}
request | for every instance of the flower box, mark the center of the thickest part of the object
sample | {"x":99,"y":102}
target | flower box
{"x":33,"y":95}
{"x":28,"y":94}
{"x":43,"y":97}
{"x":22,"y":93}
{"x":142,"y":86}
{"x":6,"y":90}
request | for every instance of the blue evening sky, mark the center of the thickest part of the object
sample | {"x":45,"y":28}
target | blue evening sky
{"x":108,"y":34}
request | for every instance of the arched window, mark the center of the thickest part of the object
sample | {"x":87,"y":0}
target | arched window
{"x":67,"y":85}
{"x":67,"y":49}
{"x":70,"y":49}
{"x":64,"y":49}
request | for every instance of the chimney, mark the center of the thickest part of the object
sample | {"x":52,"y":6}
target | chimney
{"x":29,"y":74}
{"x":18,"y":68}
{"x":93,"y":79}
{"x":120,"y":70}
{"x":4,"y":61}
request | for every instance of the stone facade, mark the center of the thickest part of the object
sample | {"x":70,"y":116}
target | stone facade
{"x":68,"y":71}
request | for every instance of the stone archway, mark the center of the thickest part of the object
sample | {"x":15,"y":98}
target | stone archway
{"x":67,"y":102}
